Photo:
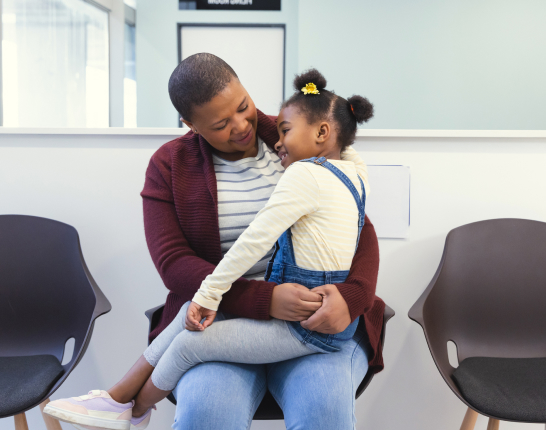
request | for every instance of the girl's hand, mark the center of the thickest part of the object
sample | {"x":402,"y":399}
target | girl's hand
{"x":333,"y":317}
{"x":195,"y":315}
{"x":293,"y":302}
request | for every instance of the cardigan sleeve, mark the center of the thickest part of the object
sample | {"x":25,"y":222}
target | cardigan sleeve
{"x":181,"y":270}
{"x":358,"y":290}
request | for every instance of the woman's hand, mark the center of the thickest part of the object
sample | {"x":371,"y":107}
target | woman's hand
{"x":195,"y":315}
{"x":333,"y":316}
{"x":293,"y":302}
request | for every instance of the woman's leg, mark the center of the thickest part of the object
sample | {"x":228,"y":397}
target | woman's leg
{"x":317,"y":392}
{"x":234,"y":341}
{"x":219,"y":396}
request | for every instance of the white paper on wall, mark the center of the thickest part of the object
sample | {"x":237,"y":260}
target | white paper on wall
{"x":388,"y":205}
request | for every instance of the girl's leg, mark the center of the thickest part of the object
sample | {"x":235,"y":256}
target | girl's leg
{"x":129,"y":386}
{"x":318,"y":392}
{"x":233,"y":341}
{"x":219,"y":396}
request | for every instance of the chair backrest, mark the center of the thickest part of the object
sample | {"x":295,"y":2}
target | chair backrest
{"x":46,"y":292}
{"x":489,"y":293}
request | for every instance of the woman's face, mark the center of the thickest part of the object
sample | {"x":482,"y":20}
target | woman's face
{"x":228,"y":122}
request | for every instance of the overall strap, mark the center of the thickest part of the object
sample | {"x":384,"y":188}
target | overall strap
{"x":360,"y":201}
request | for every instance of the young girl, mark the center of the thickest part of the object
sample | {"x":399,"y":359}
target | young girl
{"x":316,"y":212}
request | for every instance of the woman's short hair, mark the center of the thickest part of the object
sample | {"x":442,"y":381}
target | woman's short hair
{"x":196,"y":80}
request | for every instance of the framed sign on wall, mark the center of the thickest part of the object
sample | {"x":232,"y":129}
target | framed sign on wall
{"x":230,"y":4}
{"x":255,"y":51}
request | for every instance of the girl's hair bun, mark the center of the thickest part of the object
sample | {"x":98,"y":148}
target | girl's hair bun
{"x":362,"y":108}
{"x":310,"y":76}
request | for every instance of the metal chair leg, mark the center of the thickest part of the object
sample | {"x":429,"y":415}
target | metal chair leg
{"x":493,"y":424}
{"x":469,"y":420}
{"x":21,"y":422}
{"x":50,"y":422}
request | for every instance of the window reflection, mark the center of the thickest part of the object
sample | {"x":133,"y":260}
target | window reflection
{"x":55,"y":64}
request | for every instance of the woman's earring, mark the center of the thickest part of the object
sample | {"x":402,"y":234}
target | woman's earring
{"x":195,"y":131}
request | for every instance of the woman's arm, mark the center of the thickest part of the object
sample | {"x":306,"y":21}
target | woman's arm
{"x":181,"y":270}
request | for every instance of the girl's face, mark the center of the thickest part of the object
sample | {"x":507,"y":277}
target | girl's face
{"x":298,"y":139}
{"x":228,"y":122}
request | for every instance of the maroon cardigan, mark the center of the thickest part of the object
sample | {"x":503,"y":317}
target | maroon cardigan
{"x":183,"y":236}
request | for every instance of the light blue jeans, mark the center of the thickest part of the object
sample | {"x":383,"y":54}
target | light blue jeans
{"x":228,"y":339}
{"x":315,"y":392}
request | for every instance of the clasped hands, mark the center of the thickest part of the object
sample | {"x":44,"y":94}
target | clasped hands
{"x":321,"y":309}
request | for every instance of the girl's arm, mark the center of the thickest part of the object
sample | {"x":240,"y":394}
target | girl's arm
{"x":296,"y":195}
{"x":181,"y":270}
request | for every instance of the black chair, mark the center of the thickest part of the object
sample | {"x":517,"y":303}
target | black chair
{"x":488,"y":296}
{"x":269,"y":409}
{"x":47,"y":296}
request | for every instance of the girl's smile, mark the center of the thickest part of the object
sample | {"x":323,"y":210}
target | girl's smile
{"x":299,"y":140}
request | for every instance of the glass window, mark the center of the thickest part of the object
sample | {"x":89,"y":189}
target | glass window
{"x":54,"y":64}
{"x":129,"y":83}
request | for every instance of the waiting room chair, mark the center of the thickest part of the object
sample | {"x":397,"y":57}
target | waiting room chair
{"x":47,"y":296}
{"x":488,"y":296}
{"x":269,"y":409}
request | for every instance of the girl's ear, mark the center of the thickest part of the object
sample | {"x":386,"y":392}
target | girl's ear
{"x":323,"y":132}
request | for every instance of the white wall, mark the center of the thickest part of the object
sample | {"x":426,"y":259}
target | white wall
{"x":93,"y":182}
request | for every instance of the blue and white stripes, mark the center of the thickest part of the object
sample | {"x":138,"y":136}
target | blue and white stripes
{"x":244,"y":187}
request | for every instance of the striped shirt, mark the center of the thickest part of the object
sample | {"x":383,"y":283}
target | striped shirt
{"x":244,"y":187}
{"x":321,"y":211}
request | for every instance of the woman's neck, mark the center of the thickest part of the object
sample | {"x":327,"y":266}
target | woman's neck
{"x":236,"y":156}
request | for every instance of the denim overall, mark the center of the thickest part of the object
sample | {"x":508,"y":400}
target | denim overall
{"x":282,"y":268}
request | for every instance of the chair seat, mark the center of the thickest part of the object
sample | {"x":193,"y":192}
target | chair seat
{"x":25,"y":381}
{"x":506,"y":388}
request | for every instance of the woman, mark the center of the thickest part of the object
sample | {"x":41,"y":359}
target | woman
{"x":201,"y":191}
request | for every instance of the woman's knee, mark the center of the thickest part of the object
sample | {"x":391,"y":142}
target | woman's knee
{"x":217,"y":395}
{"x":335,"y":411}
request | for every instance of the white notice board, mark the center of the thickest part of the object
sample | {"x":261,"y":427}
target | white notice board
{"x":255,"y":52}
{"x":388,"y":205}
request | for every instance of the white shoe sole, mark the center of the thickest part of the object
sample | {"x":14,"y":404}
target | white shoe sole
{"x":86,"y":420}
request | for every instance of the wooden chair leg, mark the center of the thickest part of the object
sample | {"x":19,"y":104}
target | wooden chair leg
{"x":493,"y":424}
{"x":21,"y":422}
{"x":50,"y":422}
{"x":469,"y":420}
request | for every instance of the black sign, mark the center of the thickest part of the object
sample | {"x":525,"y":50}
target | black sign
{"x":231,"y":4}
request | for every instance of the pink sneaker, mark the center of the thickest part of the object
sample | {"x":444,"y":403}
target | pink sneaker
{"x":95,"y":410}
{"x":142,"y":422}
